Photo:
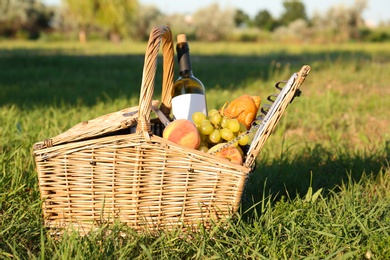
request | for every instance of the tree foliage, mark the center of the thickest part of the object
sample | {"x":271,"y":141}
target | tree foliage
{"x":25,"y":17}
{"x":145,"y":19}
{"x":241,"y":18}
{"x":265,"y":21}
{"x":294,"y":10}
{"x":181,"y":23}
{"x":341,"y":22}
{"x":113,"y":16}
{"x":212,"y":23}
{"x":126,"y":18}
{"x":83,"y":12}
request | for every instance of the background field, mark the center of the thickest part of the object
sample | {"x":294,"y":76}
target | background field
{"x":321,"y":186}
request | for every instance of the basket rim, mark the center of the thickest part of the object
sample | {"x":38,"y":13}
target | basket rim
{"x":47,"y":153}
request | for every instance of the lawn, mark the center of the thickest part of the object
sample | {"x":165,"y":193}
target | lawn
{"x":321,"y":188}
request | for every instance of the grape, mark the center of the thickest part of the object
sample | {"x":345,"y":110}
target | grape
{"x":216,"y":118}
{"x":224,"y":122}
{"x":235,"y":144}
{"x":227,"y":134}
{"x":242,"y":128}
{"x":212,"y":112}
{"x":234,"y":125}
{"x":215,"y":128}
{"x":206,"y":127}
{"x":202,"y":136}
{"x":244,"y":140}
{"x":215,"y":136}
{"x":203,"y":143}
{"x":203,"y":148}
{"x":198,"y":117}
{"x":205,"y":121}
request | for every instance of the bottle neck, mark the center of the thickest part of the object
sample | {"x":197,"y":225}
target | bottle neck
{"x":183,"y":55}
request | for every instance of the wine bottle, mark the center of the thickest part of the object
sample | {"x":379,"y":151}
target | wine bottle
{"x":188,"y":91}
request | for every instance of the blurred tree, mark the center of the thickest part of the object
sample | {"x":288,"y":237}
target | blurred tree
{"x":145,"y":19}
{"x":297,"y":31}
{"x":114,"y":16}
{"x":294,"y":10}
{"x":340,"y":22}
{"x":181,"y":23}
{"x":24,"y":17}
{"x":241,"y":19}
{"x":265,"y":21}
{"x":356,"y":17}
{"x":84,"y":13}
{"x":213,"y":24}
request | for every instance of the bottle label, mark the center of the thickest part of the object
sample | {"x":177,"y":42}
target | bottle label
{"x":183,"y":106}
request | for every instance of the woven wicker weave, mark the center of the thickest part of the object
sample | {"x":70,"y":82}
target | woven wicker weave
{"x":96,"y":173}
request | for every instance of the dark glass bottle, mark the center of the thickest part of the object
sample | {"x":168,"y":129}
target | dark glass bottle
{"x":188,"y":91}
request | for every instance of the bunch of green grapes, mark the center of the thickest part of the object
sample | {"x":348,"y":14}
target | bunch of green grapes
{"x":216,"y":128}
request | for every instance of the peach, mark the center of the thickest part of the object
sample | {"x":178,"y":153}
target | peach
{"x":230,"y":153}
{"x":182,"y":132}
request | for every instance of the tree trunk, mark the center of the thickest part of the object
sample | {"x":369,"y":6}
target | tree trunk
{"x":115,"y":37}
{"x":83,"y":36}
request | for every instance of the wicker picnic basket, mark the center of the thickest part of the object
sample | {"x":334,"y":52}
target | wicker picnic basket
{"x":117,"y":168}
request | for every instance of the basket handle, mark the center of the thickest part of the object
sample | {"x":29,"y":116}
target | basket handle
{"x":160,"y":34}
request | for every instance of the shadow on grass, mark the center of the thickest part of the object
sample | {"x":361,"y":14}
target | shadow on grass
{"x":318,"y":167}
{"x":51,"y":77}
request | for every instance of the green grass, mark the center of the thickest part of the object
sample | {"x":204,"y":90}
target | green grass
{"x":321,"y":188}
